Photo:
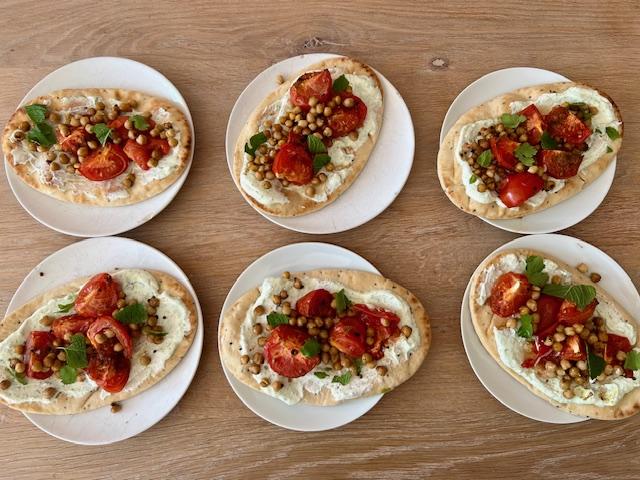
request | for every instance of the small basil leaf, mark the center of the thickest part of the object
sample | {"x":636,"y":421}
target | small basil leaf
{"x":274,"y":319}
{"x":340,"y":84}
{"x":485,"y":158}
{"x":136,"y":313}
{"x":36,"y":112}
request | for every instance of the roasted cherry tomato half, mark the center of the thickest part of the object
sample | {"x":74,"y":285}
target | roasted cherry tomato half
{"x":282,"y":352}
{"x":562,"y":123}
{"x":503,"y":151}
{"x":110,"y":372}
{"x":70,"y":324}
{"x":311,"y":84}
{"x":349,"y":336}
{"x":548,"y":309}
{"x":570,"y":314}
{"x":345,"y":120}
{"x":534,"y":124}
{"x":559,"y":163}
{"x":509,"y":293}
{"x":316,"y":304}
{"x":38,"y":346}
{"x":615,"y":344}
{"x":76,"y":138}
{"x":121,"y":336}
{"x":540,"y":352}
{"x":105,"y":163}
{"x":99,"y":296}
{"x":517,"y":188}
{"x":574,"y":349}
{"x":293,"y":163}
{"x":118,"y":126}
{"x":159,"y":144}
{"x":138,"y":153}
{"x":373,"y":319}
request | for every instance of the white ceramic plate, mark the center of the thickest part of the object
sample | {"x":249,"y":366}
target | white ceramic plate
{"x":139,"y":413}
{"x":382,"y":178}
{"x":499,"y":383}
{"x":91,"y":221}
{"x":297,"y":257}
{"x":553,"y":219}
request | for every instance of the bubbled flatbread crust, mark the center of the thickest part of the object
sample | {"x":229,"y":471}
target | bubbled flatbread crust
{"x":63,"y":405}
{"x":97,"y":195}
{"x":450,"y":172}
{"x":299,"y":204}
{"x":232,"y":319}
{"x":484,"y":322}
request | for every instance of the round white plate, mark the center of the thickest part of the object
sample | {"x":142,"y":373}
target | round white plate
{"x":553,"y":219}
{"x":499,"y":383}
{"x":297,"y":257}
{"x":99,"y":427}
{"x":91,"y":221}
{"x":381,"y":180}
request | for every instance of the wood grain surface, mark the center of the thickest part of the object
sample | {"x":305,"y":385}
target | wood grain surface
{"x":442,"y":423}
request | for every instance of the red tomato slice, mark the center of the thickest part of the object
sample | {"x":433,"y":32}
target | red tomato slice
{"x":548,"y":309}
{"x":502,"y":150}
{"x":574,"y":349}
{"x":517,"y":188}
{"x":570,"y":314}
{"x":560,"y":164}
{"x":282,"y":352}
{"x":122,"y":336}
{"x":348,"y":336}
{"x":76,"y":138}
{"x":118,"y":126}
{"x":316,"y":304}
{"x":373,"y":319}
{"x":70,"y":324}
{"x":509,"y":293}
{"x":99,"y":296}
{"x":615,"y":344}
{"x":159,"y":144}
{"x":138,"y":153}
{"x":345,"y":120}
{"x":110,"y":372}
{"x":312,"y":84}
{"x":534,"y":124}
{"x":541,"y":352}
{"x":38,"y":346}
{"x":105,"y":163}
{"x":293,"y":162}
{"x":563,"y":124}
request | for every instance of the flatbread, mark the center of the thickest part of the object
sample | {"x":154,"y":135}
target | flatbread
{"x":96,"y":192}
{"x":484,"y":321}
{"x":298,"y":204}
{"x":450,"y":173}
{"x":63,"y":405}
{"x":233,"y":318}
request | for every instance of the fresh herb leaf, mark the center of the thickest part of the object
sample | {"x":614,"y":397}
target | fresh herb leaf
{"x":595,"y":363}
{"x":580,"y":295}
{"x":42,"y":134}
{"x":254,"y":142}
{"x":315,"y":145}
{"x":548,"y":142}
{"x":342,"y":302}
{"x":340,"y":84}
{"x":19,"y":377}
{"x":102,"y":132}
{"x":68,"y":374}
{"x":135,"y":313}
{"x":65,"y":307}
{"x":512,"y":120}
{"x":526,"y":154}
{"x":320,"y":161}
{"x":139,"y":122}
{"x":37,"y":113}
{"x":632,"y":362}
{"x":343,"y":379}
{"x":534,"y":271}
{"x":357,"y":362}
{"x":274,"y":319}
{"x":473,"y":179}
{"x":76,"y":352}
{"x":526,"y":326}
{"x":311,"y":348}
{"x":613,"y":133}
{"x":484,"y":159}
{"x":609,"y":149}
{"x":320,"y":375}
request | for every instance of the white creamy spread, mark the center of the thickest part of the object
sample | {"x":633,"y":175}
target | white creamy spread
{"x":293,"y":390}
{"x":511,"y":347}
{"x":76,"y":183}
{"x":140,"y":285}
{"x":342,"y":151}
{"x":597,"y":142}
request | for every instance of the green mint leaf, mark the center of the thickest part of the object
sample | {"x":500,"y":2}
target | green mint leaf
{"x":139,"y":122}
{"x":254,"y":142}
{"x":473,"y":179}
{"x":320,"y":161}
{"x":340,"y":84}
{"x":136,"y":313}
{"x":342,"y":302}
{"x":526,"y":154}
{"x":42,"y":134}
{"x":311,"y":348}
{"x":37,"y":113}
{"x":65,"y":307}
{"x":595,"y":363}
{"x":534,"y":271}
{"x":609,"y":149}
{"x":632,"y":362}
{"x":343,"y":379}
{"x":512,"y":120}
{"x":274,"y":319}
{"x":76,"y":352}
{"x":102,"y":132}
{"x":526,"y":326}
{"x":320,"y":375}
{"x":539,"y":279}
{"x":613,"y":133}
{"x":547,"y":142}
{"x":315,"y":145}
{"x":485,"y":158}
{"x":357,"y":362}
{"x":68,"y":374}
{"x":580,"y":295}
{"x":19,"y":377}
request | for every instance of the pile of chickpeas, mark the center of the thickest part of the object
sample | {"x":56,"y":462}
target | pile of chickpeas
{"x":318,"y":328}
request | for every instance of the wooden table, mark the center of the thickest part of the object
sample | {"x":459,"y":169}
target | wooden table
{"x":442,"y":423}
